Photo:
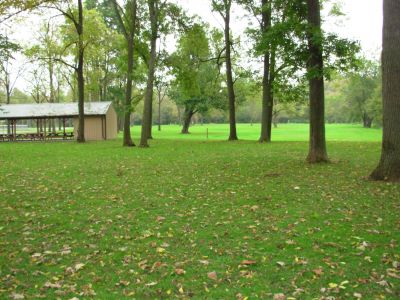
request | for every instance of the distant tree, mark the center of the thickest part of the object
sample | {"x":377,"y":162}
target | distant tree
{"x":162,"y":91}
{"x":389,"y":165}
{"x":198,"y":85}
{"x":9,"y":74}
{"x":37,"y":86}
{"x":360,"y":92}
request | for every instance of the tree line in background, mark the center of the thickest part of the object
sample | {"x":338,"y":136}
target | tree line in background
{"x":117,"y":50}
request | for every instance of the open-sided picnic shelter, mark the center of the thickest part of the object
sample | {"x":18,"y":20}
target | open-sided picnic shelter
{"x":36,"y":122}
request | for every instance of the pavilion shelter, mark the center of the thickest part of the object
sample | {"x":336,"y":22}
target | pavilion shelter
{"x":57,"y":121}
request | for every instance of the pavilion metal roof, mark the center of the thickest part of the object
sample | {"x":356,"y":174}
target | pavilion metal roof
{"x":51,"y":110}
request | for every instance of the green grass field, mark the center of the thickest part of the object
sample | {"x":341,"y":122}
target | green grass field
{"x":284,"y":132}
{"x":191,"y":218}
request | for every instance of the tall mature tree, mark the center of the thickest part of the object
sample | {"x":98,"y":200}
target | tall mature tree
{"x":269,"y":61}
{"x":154,"y":10}
{"x":223,"y":7}
{"x":77,"y":19}
{"x":315,"y":67}
{"x":127,"y":23}
{"x":389,"y":165}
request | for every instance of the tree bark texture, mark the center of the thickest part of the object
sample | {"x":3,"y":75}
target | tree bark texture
{"x":317,"y":151}
{"x":389,"y":165}
{"x":265,"y":136}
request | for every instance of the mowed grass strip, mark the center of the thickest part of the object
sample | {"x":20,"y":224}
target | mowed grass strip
{"x":284,"y":132}
{"x":196,"y":219}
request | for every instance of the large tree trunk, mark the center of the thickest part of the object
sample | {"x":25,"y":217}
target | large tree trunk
{"x":148,"y":101}
{"x":187,"y":120}
{"x":265,"y":137}
{"x":81,"y":80}
{"x":317,"y":152}
{"x":229,"y":76}
{"x":389,"y":165}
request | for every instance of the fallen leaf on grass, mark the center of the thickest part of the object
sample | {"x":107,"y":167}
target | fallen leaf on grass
{"x":143,"y":264}
{"x":333,"y":285}
{"x":151,"y":284}
{"x":279,"y":296}
{"x":79,"y":266}
{"x":16,"y":296}
{"x":50,"y":285}
{"x":204,"y":262}
{"x":180,"y":271}
{"x":212,"y":275}
{"x":160,"y":219}
{"x":160,"y":250}
{"x":248,"y":262}
{"x":280,"y":263}
{"x":123,"y":283}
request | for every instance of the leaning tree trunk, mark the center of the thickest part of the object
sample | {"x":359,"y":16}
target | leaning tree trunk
{"x":389,"y":165}
{"x":229,"y":76}
{"x":148,"y":101}
{"x":81,"y":80}
{"x":317,"y":152}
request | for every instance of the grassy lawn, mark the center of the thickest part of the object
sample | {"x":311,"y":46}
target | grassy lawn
{"x":190,"y":218}
{"x":284,"y":132}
